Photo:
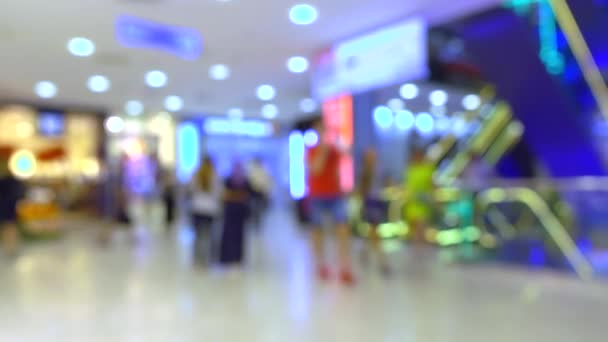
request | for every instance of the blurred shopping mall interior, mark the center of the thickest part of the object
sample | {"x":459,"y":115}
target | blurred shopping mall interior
{"x":109,"y":109}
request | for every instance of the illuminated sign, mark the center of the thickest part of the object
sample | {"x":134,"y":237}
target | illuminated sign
{"x":50,"y":124}
{"x":387,"y":56}
{"x":251,"y":128}
{"x":140,"y":33}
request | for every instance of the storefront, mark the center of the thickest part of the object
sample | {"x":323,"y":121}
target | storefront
{"x":58,"y":154}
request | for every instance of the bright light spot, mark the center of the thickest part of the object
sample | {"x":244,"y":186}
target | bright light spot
{"x":311,"y":138}
{"x":270,"y":111}
{"x":409,"y":91}
{"x":471,"y":102}
{"x":174,"y":103}
{"x":396,"y":104}
{"x":438,"y":98}
{"x":303,"y":14}
{"x":297,"y":64}
{"x":156,"y":79}
{"x":235,"y":113}
{"x":22,"y":164}
{"x":459,"y":127}
{"x":24,"y":130}
{"x":308,"y":105}
{"x":443,"y":124}
{"x":266,"y":92}
{"x":425,"y":123}
{"x":297,"y":165}
{"x":45,"y":89}
{"x":98,"y":84}
{"x":252,"y":128}
{"x":404,"y":120}
{"x":383,"y":116}
{"x":219,"y":72}
{"x":81,"y":47}
{"x":134,"y":108}
{"x":115,"y":124}
{"x":188,"y":151}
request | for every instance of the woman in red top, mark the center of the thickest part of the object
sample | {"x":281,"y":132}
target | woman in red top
{"x":325,"y":195}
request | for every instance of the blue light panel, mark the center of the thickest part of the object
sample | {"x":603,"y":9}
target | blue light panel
{"x":135,"y":32}
{"x":188,"y":151}
{"x":297,"y":166}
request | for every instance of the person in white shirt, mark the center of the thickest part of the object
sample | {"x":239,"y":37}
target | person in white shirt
{"x":261,"y":183}
{"x":206,"y":193}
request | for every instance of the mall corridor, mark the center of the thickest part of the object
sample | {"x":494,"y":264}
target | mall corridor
{"x":76,"y":290}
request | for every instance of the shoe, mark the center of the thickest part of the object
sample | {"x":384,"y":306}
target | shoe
{"x":323,"y":273}
{"x":347,"y":278}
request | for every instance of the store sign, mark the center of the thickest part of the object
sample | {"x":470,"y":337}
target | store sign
{"x":135,"y":32}
{"x":387,"y":56}
{"x":251,"y":128}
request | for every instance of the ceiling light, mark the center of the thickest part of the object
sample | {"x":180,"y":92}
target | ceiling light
{"x":297,"y":64}
{"x":219,"y":72}
{"x":438,"y":98}
{"x":471,"y":102}
{"x":270,"y":111}
{"x":156,"y":79}
{"x":115,"y":124}
{"x":266,"y":92}
{"x":383,"y":116}
{"x":425,"y":123}
{"x":303,"y":14}
{"x":174,"y":103}
{"x":308,"y":105}
{"x":81,"y":47}
{"x":396,"y":104}
{"x":409,"y":91}
{"x":98,"y":84}
{"x":404,"y":120}
{"x":235,"y":113}
{"x":311,"y":138}
{"x":46,"y":89}
{"x":134,"y":108}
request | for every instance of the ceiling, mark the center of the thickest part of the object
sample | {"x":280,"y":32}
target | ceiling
{"x":254,"y":38}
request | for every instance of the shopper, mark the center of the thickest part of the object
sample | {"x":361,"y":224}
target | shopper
{"x":206,"y":198}
{"x":168,"y":193}
{"x":11,"y":191}
{"x":375,"y":208}
{"x":419,"y":187}
{"x":237,"y":196}
{"x":326,"y":197}
{"x":261,"y":182}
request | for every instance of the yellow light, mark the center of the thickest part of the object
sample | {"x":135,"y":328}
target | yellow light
{"x":22,"y":164}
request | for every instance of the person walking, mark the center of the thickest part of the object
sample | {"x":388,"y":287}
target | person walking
{"x":261,"y":183}
{"x":206,"y":191}
{"x":11,"y":190}
{"x":237,"y":197}
{"x":419,"y":187}
{"x":326,"y":197}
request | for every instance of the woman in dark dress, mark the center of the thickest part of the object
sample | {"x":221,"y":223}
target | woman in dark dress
{"x":11,"y":191}
{"x":237,"y":194}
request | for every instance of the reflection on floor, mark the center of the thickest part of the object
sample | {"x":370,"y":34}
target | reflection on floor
{"x":74,"y":290}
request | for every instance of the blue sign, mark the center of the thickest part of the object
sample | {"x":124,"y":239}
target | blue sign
{"x":135,"y":32}
{"x":51,"y":124}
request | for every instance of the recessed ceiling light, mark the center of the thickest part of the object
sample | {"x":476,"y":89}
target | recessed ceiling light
{"x":115,"y":124}
{"x":98,"y":84}
{"x":81,"y":47}
{"x":219,"y":72}
{"x":308,"y":105}
{"x":404,"y":120}
{"x":297,"y":64}
{"x":396,"y":104}
{"x":46,"y":89}
{"x":471,"y":102}
{"x":266,"y":92}
{"x":438,"y":98}
{"x":156,"y":79}
{"x":174,"y":103}
{"x":235,"y":113}
{"x":303,"y":14}
{"x":270,"y":111}
{"x":383,"y":116}
{"x":425,"y":123}
{"x":134,"y":108}
{"x":409,"y":91}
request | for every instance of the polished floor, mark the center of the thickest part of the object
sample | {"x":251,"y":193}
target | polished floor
{"x":75,"y":290}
